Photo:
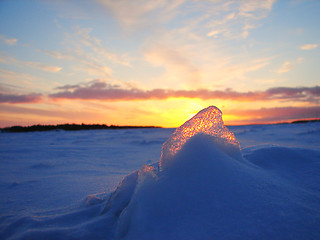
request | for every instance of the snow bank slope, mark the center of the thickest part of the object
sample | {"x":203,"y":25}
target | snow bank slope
{"x":206,"y":194}
{"x":207,"y":191}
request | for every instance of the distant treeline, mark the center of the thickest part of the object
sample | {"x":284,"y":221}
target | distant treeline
{"x":306,"y":121}
{"x":67,"y":127}
{"x":77,"y":127}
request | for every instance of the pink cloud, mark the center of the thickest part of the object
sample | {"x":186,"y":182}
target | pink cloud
{"x":20,"y":98}
{"x":97,"y":90}
{"x":45,"y":114}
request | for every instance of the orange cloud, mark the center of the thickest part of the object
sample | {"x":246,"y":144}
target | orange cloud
{"x":286,"y":67}
{"x":270,"y":115}
{"x":309,"y":46}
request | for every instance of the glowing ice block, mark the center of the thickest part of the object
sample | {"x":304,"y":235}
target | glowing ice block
{"x":207,"y":121}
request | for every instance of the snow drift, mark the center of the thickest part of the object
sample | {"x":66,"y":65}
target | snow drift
{"x":204,"y":187}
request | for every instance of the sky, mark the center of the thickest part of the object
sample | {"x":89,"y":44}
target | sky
{"x":158,"y":62}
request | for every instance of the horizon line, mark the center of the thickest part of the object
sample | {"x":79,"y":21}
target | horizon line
{"x":115,"y":126}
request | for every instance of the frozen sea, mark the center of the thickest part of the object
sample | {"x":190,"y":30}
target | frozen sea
{"x":55,"y":185}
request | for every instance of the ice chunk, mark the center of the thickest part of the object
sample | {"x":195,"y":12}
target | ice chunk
{"x":122,"y":195}
{"x":93,"y":199}
{"x":207,"y":121}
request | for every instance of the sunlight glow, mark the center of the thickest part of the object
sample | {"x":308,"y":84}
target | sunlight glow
{"x":163,"y":62}
{"x":208,"y":121}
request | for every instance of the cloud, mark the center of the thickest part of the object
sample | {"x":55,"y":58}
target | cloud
{"x":173,"y":37}
{"x":286,"y":67}
{"x":8,"y":41}
{"x":98,"y":90}
{"x":189,"y":61}
{"x":308,"y":46}
{"x":175,"y":61}
{"x":37,"y":65}
{"x":141,"y":12}
{"x":42,"y":115}
{"x":217,"y":17}
{"x":255,"y":9}
{"x":43,"y":67}
{"x":22,"y":98}
{"x":81,"y":37}
{"x":264,"y":115}
{"x":59,"y":55}
{"x":92,"y":65}
{"x":88,"y":54}
{"x":21,"y":81}
{"x":243,"y":17}
{"x":190,"y":52}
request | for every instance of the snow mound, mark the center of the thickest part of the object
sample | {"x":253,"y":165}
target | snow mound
{"x":202,"y":191}
{"x":207,"y":121}
{"x":207,"y":194}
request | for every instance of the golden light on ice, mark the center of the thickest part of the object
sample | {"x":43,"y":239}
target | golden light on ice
{"x":208,"y":121}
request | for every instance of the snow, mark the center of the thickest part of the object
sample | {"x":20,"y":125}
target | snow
{"x":65,"y":185}
{"x":218,"y":197}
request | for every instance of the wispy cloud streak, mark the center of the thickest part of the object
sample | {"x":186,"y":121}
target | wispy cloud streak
{"x":141,"y":12}
{"x":286,"y":67}
{"x":88,"y":54}
{"x":20,"y":98}
{"x":13,"y":61}
{"x":219,"y":16}
{"x":308,"y":46}
{"x":8,"y":41}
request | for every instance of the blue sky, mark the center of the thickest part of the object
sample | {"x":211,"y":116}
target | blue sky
{"x":158,"y":62}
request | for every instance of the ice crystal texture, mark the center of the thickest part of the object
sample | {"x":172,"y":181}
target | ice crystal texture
{"x":207,"y":121}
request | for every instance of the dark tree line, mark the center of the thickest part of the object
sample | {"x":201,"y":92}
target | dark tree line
{"x":306,"y":121}
{"x":67,"y":127}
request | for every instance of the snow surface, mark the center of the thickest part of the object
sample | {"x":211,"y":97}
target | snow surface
{"x":60,"y":185}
